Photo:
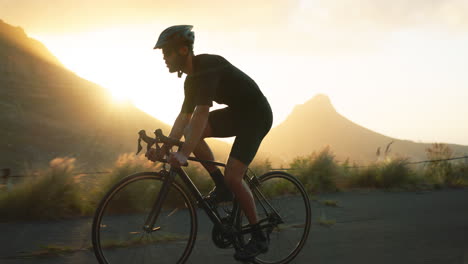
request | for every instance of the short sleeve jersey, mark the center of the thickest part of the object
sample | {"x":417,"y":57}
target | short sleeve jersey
{"x":215,"y":79}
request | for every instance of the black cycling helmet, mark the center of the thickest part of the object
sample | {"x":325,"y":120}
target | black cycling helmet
{"x":175,"y":36}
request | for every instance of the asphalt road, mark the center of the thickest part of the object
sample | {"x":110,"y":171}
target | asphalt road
{"x":371,"y":227}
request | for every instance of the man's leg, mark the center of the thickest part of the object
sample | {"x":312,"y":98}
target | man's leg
{"x":258,"y":243}
{"x":203,"y":151}
{"x":234,"y":174}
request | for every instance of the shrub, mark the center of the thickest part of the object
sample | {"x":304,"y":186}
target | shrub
{"x":125,"y":165}
{"x":133,"y":198}
{"x":365,"y":177}
{"x":459,"y":176}
{"x":48,"y":194}
{"x":442,"y":172}
{"x":394,"y":173}
{"x":317,"y":171}
{"x":58,"y":192}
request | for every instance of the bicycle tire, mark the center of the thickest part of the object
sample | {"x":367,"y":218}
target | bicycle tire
{"x":288,"y":197}
{"x":124,"y":210}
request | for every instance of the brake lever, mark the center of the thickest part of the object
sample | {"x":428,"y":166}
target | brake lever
{"x":139,"y":146}
{"x":149,"y":141}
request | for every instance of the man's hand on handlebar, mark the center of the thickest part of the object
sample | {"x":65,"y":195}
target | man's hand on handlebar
{"x":158,"y":154}
{"x":151,"y":154}
{"x":165,"y":150}
{"x":177,"y":159}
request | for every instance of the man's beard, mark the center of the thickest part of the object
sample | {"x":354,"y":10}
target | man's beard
{"x":177,"y":64}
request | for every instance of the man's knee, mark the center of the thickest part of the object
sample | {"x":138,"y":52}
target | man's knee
{"x":234,"y":172}
{"x":232,"y":181}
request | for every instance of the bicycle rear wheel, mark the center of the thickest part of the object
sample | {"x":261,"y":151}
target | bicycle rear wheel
{"x":118,"y":235}
{"x":283,"y":209}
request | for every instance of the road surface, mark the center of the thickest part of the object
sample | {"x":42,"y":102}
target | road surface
{"x":429,"y":227}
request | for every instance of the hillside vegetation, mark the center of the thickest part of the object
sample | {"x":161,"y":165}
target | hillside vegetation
{"x":60,"y":192}
{"x":48,"y":111}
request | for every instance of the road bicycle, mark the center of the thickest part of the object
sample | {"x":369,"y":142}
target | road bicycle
{"x":151,"y":217}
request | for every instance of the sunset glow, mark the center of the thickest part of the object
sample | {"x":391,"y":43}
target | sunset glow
{"x":398,"y":73}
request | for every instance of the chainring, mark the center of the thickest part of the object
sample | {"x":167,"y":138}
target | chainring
{"x":223,"y":237}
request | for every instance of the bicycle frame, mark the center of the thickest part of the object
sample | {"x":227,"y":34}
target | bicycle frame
{"x":211,"y":213}
{"x":230,"y":223}
{"x":169,"y":179}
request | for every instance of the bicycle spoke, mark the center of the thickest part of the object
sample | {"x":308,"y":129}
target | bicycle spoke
{"x":118,"y":234}
{"x":282,"y":204}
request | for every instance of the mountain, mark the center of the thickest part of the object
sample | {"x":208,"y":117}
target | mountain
{"x":48,"y":111}
{"x":316,"y":124}
{"x":15,"y":40}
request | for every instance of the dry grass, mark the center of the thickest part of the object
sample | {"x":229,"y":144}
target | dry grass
{"x":59,"y":192}
{"x":49,"y":194}
{"x":389,"y":174}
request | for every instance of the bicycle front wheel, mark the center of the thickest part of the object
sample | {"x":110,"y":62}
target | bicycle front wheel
{"x":283,"y":209}
{"x":118,"y":235}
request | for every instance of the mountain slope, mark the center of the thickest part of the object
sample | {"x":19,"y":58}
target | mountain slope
{"x":316,"y":124}
{"x":48,"y":111}
{"x":14,"y":38}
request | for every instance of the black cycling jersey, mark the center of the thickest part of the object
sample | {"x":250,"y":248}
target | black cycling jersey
{"x":248,"y":115}
{"x":215,"y":79}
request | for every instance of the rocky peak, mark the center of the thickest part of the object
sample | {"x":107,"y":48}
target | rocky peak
{"x":318,"y":104}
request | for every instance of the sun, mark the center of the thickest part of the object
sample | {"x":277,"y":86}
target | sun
{"x":124,"y":63}
{"x":119,"y":94}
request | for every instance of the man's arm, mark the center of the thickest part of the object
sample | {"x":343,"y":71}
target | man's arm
{"x":176,"y":132}
{"x":180,"y":123}
{"x":195,"y":129}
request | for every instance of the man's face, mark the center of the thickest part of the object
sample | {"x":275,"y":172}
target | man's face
{"x":171,"y":58}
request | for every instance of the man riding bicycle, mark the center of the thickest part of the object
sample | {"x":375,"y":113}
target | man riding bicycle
{"x":248,"y":117}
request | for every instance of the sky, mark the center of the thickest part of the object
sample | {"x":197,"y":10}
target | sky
{"x":396,"y":67}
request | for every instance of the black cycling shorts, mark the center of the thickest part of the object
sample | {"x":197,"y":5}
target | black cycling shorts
{"x":249,"y":126}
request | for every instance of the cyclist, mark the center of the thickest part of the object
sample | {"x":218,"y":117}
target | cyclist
{"x":248,"y":117}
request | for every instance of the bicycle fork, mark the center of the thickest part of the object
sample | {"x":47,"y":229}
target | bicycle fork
{"x":153,"y":215}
